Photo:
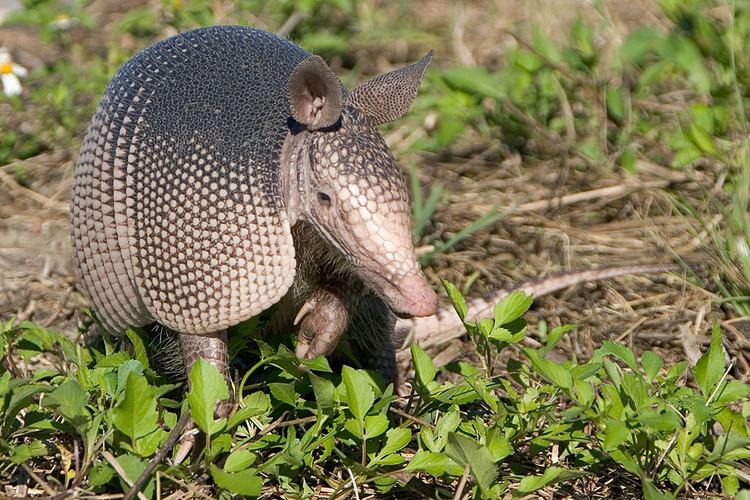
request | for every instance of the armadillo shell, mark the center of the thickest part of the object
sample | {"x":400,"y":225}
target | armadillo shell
{"x":177,"y":211}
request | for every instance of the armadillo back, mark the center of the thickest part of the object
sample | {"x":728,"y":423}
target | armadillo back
{"x":177,"y":213}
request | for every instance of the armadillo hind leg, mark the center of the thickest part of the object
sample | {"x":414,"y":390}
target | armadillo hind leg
{"x":372,"y":343}
{"x":323,"y":319}
{"x":213,"y":348}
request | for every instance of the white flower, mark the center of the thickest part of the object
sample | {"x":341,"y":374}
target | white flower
{"x":9,"y":73}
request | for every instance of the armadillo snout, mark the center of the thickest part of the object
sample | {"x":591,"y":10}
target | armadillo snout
{"x":416,"y":297}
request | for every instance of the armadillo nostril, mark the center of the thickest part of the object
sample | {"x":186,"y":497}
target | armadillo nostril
{"x":417,"y":297}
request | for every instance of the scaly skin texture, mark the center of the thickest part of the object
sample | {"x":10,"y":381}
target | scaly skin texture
{"x":208,"y":156}
{"x":213,"y":348}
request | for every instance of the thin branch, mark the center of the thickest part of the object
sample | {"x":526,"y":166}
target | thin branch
{"x":174,"y":435}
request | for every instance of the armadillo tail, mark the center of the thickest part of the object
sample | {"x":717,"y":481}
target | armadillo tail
{"x":445,"y":325}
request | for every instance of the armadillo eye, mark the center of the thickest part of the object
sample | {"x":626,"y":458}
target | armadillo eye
{"x":324,"y":198}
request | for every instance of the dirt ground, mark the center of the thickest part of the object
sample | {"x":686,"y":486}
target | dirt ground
{"x":558,"y":216}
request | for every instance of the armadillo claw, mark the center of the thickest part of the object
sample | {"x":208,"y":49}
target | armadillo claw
{"x":323,"y":319}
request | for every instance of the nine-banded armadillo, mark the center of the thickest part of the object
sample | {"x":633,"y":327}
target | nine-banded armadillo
{"x":226,"y":170}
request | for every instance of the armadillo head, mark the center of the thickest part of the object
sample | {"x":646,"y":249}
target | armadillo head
{"x":347,"y":184}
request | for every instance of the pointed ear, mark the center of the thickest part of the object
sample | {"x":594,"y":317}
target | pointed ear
{"x":315,"y":94}
{"x":388,"y":97}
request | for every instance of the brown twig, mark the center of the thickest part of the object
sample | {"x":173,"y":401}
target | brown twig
{"x":414,"y":419}
{"x":33,"y":475}
{"x":121,"y":472}
{"x":39,"y":198}
{"x":174,"y":435}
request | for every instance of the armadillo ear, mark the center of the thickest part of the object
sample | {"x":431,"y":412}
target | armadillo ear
{"x":315,"y":94}
{"x":388,"y":97}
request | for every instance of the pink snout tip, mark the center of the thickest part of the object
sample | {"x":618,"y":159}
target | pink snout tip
{"x":417,"y":298}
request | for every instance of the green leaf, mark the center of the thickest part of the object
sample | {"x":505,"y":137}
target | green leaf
{"x":553,"y":372}
{"x":27,"y":451}
{"x":324,"y":391}
{"x":136,"y":415}
{"x":473,"y":80}
{"x":246,"y":482}
{"x":466,"y":451}
{"x":69,"y":400}
{"x":207,"y":387}
{"x":456,"y":298}
{"x":424,"y":369}
{"x":139,"y":338}
{"x":731,"y":391}
{"x":395,"y":441}
{"x":638,"y":44}
{"x":239,"y":460}
{"x":710,"y":367}
{"x":664,"y":420}
{"x":512,"y":307}
{"x":616,"y":103}
{"x":284,"y":392}
{"x":530,"y":484}
{"x":375,"y":425}
{"x":701,"y":139}
{"x":133,"y":467}
{"x":652,"y":363}
{"x":651,"y":492}
{"x":615,"y":434}
{"x":360,"y":395}
{"x":619,"y":351}
{"x":433,"y":463}
{"x":254,"y":404}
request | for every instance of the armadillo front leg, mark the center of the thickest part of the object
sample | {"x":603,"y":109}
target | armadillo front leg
{"x":213,"y":348}
{"x":324,"y":318}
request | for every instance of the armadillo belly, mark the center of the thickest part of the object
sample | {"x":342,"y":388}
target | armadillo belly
{"x":177,"y":211}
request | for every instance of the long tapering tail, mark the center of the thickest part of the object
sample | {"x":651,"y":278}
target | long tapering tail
{"x":445,"y":325}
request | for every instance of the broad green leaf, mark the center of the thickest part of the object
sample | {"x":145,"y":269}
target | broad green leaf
{"x":512,"y":307}
{"x":136,"y":415}
{"x":359,"y":394}
{"x":284,"y":392}
{"x":731,"y":391}
{"x":615,"y":434}
{"x":424,"y":369}
{"x":396,"y":439}
{"x":638,"y":44}
{"x":433,"y":463}
{"x":651,"y":363}
{"x":239,"y":460}
{"x":124,"y":371}
{"x":553,"y":372}
{"x":27,"y":451}
{"x":69,"y":400}
{"x":466,"y":451}
{"x":457,"y":299}
{"x":133,"y":467}
{"x":246,"y":482}
{"x":651,"y":492}
{"x":254,"y":404}
{"x":701,"y":139}
{"x":324,"y":391}
{"x":207,"y":387}
{"x":619,"y":351}
{"x":375,"y":425}
{"x":710,"y":367}
{"x":473,"y":80}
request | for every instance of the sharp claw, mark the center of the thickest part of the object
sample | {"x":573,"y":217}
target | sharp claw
{"x":306,"y":308}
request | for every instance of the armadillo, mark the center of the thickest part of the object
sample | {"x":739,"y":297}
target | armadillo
{"x":225,"y":171}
